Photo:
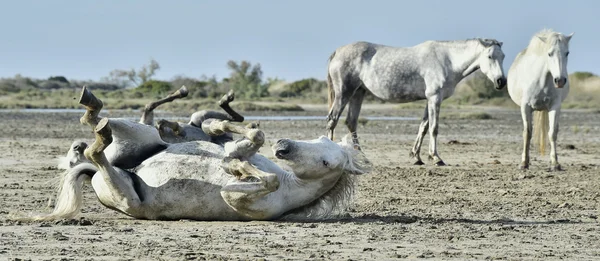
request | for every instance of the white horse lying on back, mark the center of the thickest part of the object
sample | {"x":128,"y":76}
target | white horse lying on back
{"x":537,"y":81}
{"x":135,"y":172}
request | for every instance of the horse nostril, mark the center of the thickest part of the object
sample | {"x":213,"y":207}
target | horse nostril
{"x":556,"y":80}
{"x":501,"y":82}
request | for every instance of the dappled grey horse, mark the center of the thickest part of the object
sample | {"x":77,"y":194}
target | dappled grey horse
{"x":537,"y":82}
{"x":429,"y":70}
{"x":135,"y":172}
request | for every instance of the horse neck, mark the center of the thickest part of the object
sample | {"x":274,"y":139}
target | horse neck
{"x":462,"y":55}
{"x":294,"y":192}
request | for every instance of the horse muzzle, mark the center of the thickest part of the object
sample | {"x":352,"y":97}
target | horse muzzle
{"x":500,"y":83}
{"x":560,"y":82}
{"x":282,"y":148}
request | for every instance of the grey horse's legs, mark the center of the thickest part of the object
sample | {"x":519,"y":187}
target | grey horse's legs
{"x":433,"y":106}
{"x":148,"y":113}
{"x":341,"y":97}
{"x":416,"y":150}
{"x":353,"y":112}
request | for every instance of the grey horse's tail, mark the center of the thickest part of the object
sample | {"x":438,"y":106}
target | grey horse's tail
{"x":540,"y":130}
{"x":330,"y":84}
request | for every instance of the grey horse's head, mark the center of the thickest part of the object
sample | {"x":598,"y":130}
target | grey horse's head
{"x":490,"y":62}
{"x":558,"y":53}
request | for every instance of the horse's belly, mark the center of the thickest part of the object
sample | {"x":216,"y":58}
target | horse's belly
{"x":399,"y":91}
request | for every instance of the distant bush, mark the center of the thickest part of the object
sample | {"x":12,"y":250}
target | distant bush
{"x":156,"y":88}
{"x":58,"y":79}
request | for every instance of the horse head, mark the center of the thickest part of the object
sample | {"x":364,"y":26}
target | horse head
{"x":490,"y":62}
{"x":558,"y":52}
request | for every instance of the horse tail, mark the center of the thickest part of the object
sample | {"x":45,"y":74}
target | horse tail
{"x":70,"y":196}
{"x":540,"y":129}
{"x":330,"y":84}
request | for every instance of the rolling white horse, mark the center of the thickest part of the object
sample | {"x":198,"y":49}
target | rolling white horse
{"x":429,"y":70}
{"x":135,"y":172}
{"x":537,"y":82}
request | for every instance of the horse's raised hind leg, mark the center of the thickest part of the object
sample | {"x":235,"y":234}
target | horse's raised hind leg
{"x":554,"y":116}
{"x":92,"y":105}
{"x":148,"y":113}
{"x":423,"y":127}
{"x":433,"y":106}
{"x":527,"y":115}
{"x":116,"y":190}
{"x":243,"y":148}
{"x":353,"y":111}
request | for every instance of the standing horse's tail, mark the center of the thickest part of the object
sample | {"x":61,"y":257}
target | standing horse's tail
{"x":330,"y":84}
{"x":540,"y":129}
{"x":70,"y":197}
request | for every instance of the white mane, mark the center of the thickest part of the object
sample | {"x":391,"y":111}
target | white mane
{"x":537,"y":46}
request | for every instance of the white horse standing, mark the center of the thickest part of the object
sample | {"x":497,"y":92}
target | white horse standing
{"x":429,"y":70}
{"x":537,"y":81}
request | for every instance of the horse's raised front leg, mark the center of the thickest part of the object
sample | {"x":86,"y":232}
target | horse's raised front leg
{"x":554,"y":116}
{"x":416,"y":150}
{"x":527,"y":116}
{"x":243,"y":148}
{"x":353,"y":111}
{"x":250,"y":185}
{"x":433,"y":107}
{"x":92,"y":106}
{"x":200,"y":116}
{"x":148,"y":113}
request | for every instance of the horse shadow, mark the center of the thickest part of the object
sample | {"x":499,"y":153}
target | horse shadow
{"x":409,"y":219}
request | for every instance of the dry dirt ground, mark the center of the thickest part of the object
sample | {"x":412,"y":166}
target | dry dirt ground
{"x":479,"y":207}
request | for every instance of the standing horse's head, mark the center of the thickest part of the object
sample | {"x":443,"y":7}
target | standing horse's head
{"x":491,"y":61}
{"x":319,"y":158}
{"x":558,"y":51}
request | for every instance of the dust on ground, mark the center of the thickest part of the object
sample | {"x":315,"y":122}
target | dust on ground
{"x":479,"y":207}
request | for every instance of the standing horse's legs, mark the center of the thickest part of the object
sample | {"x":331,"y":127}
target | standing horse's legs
{"x":353,"y":111}
{"x":148,"y":113}
{"x":340,"y":100}
{"x":527,"y":115}
{"x":433,"y":107}
{"x":553,"y":116}
{"x":416,"y":150}
{"x":243,"y":148}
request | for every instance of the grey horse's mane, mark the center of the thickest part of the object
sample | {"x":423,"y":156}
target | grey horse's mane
{"x":487,"y":42}
{"x":335,"y":201}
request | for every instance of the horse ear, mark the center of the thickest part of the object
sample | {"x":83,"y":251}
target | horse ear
{"x":569,"y":37}
{"x":481,"y":41}
{"x":500,"y":44}
{"x":542,"y":38}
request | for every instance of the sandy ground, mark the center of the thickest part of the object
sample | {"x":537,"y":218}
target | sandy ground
{"x":479,"y":207}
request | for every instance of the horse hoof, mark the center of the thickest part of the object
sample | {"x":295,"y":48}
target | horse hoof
{"x":524,"y":167}
{"x":88,"y":99}
{"x":182,"y":92}
{"x":419,"y":163}
{"x":556,"y":168}
{"x":227,"y":98}
{"x":440,"y":163}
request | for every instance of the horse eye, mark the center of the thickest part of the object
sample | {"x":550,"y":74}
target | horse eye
{"x":325,"y":163}
{"x":567,"y":54}
{"x":490,"y":57}
{"x":550,"y":54}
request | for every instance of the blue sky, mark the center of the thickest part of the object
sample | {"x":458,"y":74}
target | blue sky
{"x":292,"y":40}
